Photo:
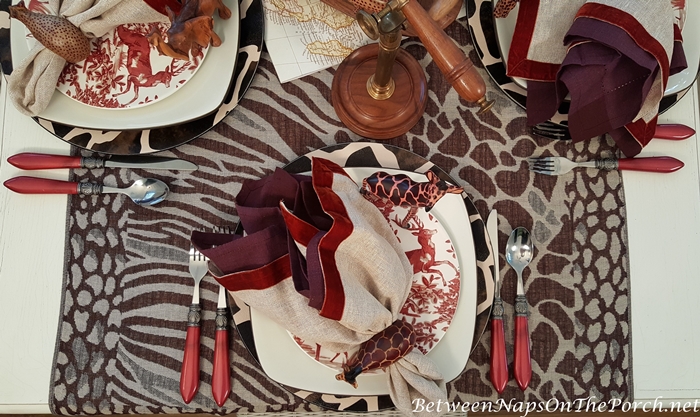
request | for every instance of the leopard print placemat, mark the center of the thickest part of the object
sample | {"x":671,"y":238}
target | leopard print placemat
{"x":127,"y":286}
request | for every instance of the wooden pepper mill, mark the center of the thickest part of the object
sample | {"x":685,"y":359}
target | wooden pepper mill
{"x":380,"y":92}
{"x":394,"y":98}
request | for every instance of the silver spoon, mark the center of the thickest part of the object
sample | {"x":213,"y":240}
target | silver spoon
{"x":519,"y":250}
{"x":144,"y":191}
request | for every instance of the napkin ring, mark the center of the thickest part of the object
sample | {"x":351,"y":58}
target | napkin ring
{"x":380,"y":351}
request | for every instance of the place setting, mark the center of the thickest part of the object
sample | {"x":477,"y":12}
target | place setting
{"x":581,"y":80}
{"x":452,"y":290}
{"x":493,"y":36}
{"x":383,"y":235}
{"x":138,"y":107}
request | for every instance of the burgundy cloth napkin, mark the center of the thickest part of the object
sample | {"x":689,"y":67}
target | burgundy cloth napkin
{"x":322,"y":261}
{"x":613,"y":57}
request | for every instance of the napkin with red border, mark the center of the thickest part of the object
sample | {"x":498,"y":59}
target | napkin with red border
{"x":613,"y":57}
{"x":322,"y":261}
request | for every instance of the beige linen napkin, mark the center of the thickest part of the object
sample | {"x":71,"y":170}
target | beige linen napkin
{"x":613,"y":57}
{"x":33,"y":81}
{"x":352,"y":276}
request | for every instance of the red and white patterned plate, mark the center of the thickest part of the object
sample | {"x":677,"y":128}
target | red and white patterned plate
{"x":283,"y":360}
{"x":123,"y":71}
{"x":432,"y":301}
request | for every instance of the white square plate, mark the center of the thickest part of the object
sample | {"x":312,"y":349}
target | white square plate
{"x":284,"y":362}
{"x":201,"y":95}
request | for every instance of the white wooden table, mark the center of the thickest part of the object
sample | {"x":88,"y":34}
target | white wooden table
{"x":663,"y":214}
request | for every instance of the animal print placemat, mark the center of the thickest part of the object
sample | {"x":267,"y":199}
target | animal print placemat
{"x":127,"y":285}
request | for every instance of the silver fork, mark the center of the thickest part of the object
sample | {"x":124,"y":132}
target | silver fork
{"x":557,"y":165}
{"x":189,"y":375}
{"x":667,"y":131}
{"x":551,"y":130}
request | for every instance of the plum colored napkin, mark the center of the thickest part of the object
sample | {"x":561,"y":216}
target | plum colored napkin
{"x":613,"y":57}
{"x":33,"y":81}
{"x":322,"y":261}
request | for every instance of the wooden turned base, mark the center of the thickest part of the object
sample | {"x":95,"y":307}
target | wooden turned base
{"x":379,"y":119}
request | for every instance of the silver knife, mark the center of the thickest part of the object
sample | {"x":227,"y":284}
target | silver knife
{"x":499,"y":362}
{"x":31,"y":161}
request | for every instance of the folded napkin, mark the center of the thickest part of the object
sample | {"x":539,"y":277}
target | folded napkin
{"x":33,"y":81}
{"x":322,"y":262}
{"x":613,"y":57}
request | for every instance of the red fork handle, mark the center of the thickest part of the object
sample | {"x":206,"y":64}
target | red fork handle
{"x":29,"y":161}
{"x":499,"y":362}
{"x":651,"y":164}
{"x":221,"y":375}
{"x":189,"y":375}
{"x":522,"y":369}
{"x":673,"y":131}
{"x":31,"y":185}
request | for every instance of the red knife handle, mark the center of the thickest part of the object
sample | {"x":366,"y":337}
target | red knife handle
{"x":189,"y":376}
{"x":651,"y":164}
{"x":673,"y":131}
{"x":499,"y":362}
{"x":30,"y":161}
{"x":31,"y":185}
{"x":522,"y":369}
{"x":221,"y":376}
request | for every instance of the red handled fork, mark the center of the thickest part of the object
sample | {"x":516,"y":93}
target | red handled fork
{"x":189,"y":375}
{"x":221,"y":374}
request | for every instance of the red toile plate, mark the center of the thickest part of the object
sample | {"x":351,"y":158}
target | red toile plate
{"x":123,"y":71}
{"x":434,"y":294}
{"x":283,"y":360}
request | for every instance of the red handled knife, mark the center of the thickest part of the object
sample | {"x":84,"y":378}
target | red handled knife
{"x":499,"y":363}
{"x":31,"y":161}
{"x":221,"y":376}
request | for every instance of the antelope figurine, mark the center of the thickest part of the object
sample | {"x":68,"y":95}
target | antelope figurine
{"x":400,"y":190}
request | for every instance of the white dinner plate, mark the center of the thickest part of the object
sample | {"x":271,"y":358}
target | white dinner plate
{"x":284,"y":362}
{"x":201,"y":95}
{"x":431,"y":303}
